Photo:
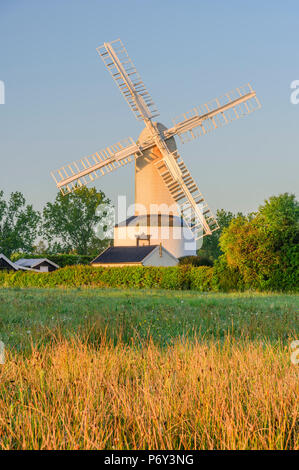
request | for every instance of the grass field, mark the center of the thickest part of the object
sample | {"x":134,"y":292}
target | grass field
{"x":126,"y":369}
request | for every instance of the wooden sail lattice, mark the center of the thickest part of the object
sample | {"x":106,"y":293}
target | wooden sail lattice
{"x":216,"y":113}
{"x":87,"y":169}
{"x":173,"y":171}
{"x":192,"y":205}
{"x":127,"y":78}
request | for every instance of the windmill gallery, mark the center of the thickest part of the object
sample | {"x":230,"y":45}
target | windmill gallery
{"x":155,"y":236}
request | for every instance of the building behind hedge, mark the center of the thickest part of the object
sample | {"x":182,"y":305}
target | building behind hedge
{"x":146,"y":255}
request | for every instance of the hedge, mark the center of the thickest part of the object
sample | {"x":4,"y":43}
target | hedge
{"x":202,"y":278}
{"x":178,"y":277}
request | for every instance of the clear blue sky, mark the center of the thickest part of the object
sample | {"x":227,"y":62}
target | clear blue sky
{"x":61,"y":103}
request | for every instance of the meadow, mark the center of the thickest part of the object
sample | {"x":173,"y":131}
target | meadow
{"x":147,"y":369}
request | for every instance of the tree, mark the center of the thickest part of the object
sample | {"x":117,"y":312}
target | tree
{"x":40,"y":248}
{"x":264,"y":246}
{"x":18,"y":224}
{"x":248,"y":250}
{"x":280,"y":218}
{"x":70,"y":222}
{"x":210,"y":247}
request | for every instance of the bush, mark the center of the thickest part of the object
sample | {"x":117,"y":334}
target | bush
{"x":285,"y":274}
{"x":201,"y":278}
{"x":221,"y":277}
{"x":200,"y":260}
{"x":226,"y":278}
{"x":263,"y":247}
{"x":178,"y":277}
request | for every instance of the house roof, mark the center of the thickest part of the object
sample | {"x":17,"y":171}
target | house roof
{"x":124,"y":254}
{"x":2,"y":256}
{"x":15,"y":266}
{"x":32,"y":262}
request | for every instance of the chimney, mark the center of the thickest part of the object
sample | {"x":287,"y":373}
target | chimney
{"x":160,"y":250}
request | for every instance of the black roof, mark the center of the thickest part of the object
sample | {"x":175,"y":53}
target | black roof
{"x":5,"y":263}
{"x":124,"y":254}
{"x":33,"y":262}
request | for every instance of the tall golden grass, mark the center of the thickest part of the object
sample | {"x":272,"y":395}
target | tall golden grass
{"x":192,"y":395}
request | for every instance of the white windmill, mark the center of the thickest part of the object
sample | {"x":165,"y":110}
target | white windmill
{"x":161,"y":177}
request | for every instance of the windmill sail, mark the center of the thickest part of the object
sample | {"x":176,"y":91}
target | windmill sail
{"x":74,"y":175}
{"x":173,"y":171}
{"x":128,"y":80}
{"x":216,"y":113}
{"x":185,"y":192}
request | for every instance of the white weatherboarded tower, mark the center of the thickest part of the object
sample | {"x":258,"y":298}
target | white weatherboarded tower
{"x":169,"y":207}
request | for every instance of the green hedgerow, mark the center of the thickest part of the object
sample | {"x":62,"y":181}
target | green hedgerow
{"x":178,"y":277}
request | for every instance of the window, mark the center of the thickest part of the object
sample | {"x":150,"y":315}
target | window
{"x":44,"y":269}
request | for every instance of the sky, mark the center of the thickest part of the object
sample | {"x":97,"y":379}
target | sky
{"x":61,"y":103}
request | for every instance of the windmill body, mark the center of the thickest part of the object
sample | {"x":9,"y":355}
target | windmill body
{"x":169,"y":207}
{"x":149,"y":187}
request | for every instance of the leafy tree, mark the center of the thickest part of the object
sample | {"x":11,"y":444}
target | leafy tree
{"x":70,"y":222}
{"x":18,"y":224}
{"x":248,"y":250}
{"x":40,"y":248}
{"x":210,"y":247}
{"x":280,"y":218}
{"x":264,"y":247}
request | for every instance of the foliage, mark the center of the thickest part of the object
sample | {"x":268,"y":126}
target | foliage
{"x":40,"y":248}
{"x":18,"y":224}
{"x":222,"y":277}
{"x":199,"y":260}
{"x":178,"y":277}
{"x":201,"y":278}
{"x":226,"y":278}
{"x":264,"y":247}
{"x":71,"y":221}
{"x":210,"y":248}
{"x":259,"y":251}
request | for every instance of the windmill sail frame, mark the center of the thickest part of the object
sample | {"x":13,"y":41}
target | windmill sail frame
{"x":128,"y":80}
{"x":81,"y":172}
{"x":215,"y":113}
{"x":172,"y":169}
{"x":191,"y":202}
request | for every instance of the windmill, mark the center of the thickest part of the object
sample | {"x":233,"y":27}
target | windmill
{"x":161,"y":176}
